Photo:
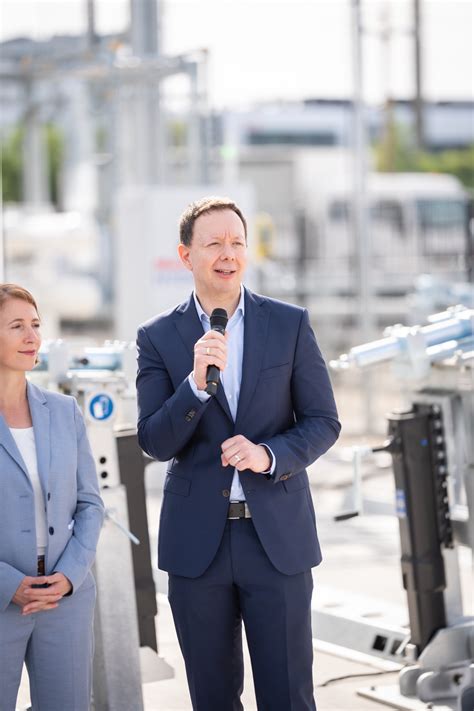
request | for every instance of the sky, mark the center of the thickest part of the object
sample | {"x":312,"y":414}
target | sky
{"x":286,"y":49}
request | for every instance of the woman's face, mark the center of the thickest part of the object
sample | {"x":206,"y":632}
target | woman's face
{"x":20,"y":338}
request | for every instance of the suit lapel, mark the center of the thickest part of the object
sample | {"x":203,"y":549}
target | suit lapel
{"x":255,"y":337}
{"x":41,"y":425}
{"x":189,"y":326}
{"x":9,"y":444}
{"x":222,"y":400}
{"x":190,"y":330}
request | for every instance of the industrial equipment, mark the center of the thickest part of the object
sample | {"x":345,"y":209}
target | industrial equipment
{"x":432,"y":451}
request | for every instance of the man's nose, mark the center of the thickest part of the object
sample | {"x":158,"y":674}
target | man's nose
{"x":227,"y":251}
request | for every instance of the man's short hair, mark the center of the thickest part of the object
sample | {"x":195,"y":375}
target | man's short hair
{"x":203,"y":207}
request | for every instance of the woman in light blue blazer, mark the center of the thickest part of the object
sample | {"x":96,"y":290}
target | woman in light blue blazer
{"x":51,"y":514}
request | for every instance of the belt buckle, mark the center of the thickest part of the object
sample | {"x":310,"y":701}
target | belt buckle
{"x":245,"y":512}
{"x":237,"y":506}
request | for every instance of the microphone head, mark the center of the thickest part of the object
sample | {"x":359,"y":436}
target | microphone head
{"x":219,"y":320}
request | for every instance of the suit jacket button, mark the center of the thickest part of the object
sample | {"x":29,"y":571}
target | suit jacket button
{"x":226,"y":493}
{"x":284,"y":477}
{"x":51,"y":530}
{"x":49,"y":496}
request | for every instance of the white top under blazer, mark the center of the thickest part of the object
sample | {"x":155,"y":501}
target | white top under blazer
{"x":25,"y":441}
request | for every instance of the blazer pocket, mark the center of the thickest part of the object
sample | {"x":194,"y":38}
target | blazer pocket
{"x":295,"y":483}
{"x":274,"y":371}
{"x":177,"y":485}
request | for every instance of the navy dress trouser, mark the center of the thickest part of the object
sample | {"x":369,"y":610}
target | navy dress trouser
{"x":242,"y":585}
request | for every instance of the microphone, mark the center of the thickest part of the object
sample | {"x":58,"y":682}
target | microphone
{"x":218,"y":323}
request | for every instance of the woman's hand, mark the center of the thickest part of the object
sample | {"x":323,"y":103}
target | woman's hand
{"x":22,"y":597}
{"x":32,"y":599}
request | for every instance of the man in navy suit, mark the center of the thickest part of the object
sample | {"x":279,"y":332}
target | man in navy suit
{"x":237,"y":528}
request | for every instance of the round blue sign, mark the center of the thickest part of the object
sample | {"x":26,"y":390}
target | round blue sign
{"x":101,"y":407}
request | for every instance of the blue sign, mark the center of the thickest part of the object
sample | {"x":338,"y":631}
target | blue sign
{"x":400,"y":503}
{"x":101,"y":407}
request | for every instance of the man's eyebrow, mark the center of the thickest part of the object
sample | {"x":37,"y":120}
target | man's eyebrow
{"x":220,"y":237}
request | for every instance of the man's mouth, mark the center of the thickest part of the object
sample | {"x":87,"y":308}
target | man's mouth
{"x":225,"y":271}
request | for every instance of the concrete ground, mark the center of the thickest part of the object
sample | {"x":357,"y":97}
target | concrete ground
{"x":361,"y":561}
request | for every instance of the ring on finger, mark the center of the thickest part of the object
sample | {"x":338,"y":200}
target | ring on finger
{"x":237,"y":458}
{"x":208,"y":351}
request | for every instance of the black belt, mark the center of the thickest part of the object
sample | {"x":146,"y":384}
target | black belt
{"x":41,"y":568}
{"x":239,"y":509}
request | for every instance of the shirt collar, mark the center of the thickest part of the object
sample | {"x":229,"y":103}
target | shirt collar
{"x":240,"y":306}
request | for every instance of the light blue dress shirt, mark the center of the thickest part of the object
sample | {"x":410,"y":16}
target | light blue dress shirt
{"x":231,"y":377}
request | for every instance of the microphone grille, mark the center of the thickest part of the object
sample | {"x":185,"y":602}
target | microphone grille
{"x":219,"y":318}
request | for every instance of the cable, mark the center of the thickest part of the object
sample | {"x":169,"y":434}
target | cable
{"x":355,"y":676}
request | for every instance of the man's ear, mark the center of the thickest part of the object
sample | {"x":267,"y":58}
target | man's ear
{"x":184,"y":252}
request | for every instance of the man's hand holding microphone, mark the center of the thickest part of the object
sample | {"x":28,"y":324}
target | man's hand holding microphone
{"x":210,"y":350}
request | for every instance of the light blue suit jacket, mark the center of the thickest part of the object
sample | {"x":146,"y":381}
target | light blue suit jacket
{"x":68,"y":477}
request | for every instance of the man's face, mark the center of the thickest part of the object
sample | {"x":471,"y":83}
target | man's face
{"x":217,"y":255}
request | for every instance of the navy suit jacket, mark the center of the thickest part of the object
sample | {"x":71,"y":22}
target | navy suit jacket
{"x":286,"y":401}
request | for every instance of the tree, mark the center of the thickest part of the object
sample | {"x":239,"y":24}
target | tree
{"x":11,"y":166}
{"x":396,"y":152}
{"x":12,"y":162}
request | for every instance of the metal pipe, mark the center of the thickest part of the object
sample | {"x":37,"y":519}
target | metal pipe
{"x":91,"y":32}
{"x":360,"y":211}
{"x":456,"y":331}
{"x":35,"y":183}
{"x":419,"y":128}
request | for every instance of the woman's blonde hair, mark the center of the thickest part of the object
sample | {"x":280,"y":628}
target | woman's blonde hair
{"x":14,"y":291}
